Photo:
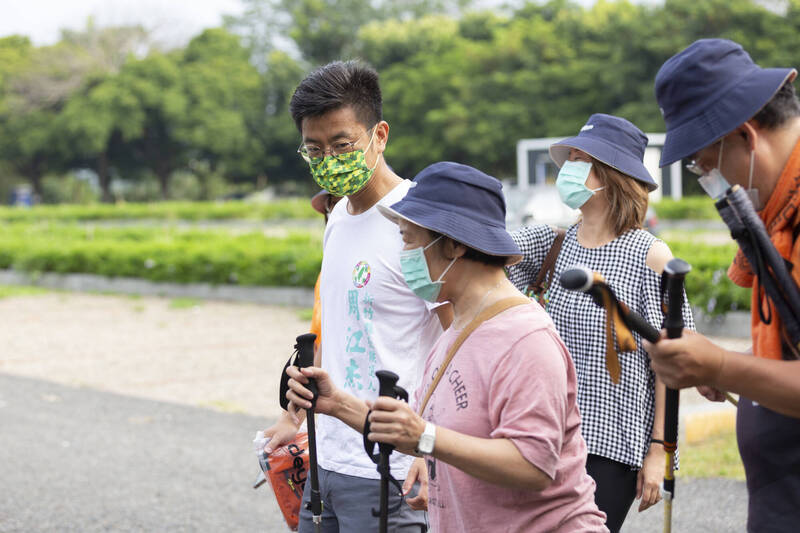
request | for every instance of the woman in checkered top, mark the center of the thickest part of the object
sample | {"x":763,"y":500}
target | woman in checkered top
{"x":602,"y":174}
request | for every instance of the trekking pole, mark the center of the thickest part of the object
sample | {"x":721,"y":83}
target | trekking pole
{"x":774,"y":278}
{"x":305,"y":358}
{"x":584,"y":280}
{"x":674,"y":272}
{"x":387,"y":387}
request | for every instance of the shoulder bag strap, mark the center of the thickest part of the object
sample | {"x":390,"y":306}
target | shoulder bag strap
{"x":486,"y":314}
{"x":547,"y":270}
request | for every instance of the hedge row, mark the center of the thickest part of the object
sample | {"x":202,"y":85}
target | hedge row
{"x":692,"y":207}
{"x":293,"y":208}
{"x":687,"y":208}
{"x":708,"y":285}
{"x":164,"y":255}
{"x":221,"y":257}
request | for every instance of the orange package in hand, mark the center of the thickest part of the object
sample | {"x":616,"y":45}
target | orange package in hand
{"x":287,"y":470}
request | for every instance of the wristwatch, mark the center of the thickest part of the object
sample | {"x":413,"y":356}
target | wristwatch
{"x":426,"y":440}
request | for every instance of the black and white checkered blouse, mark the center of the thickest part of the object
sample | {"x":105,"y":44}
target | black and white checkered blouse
{"x":616,"y":420}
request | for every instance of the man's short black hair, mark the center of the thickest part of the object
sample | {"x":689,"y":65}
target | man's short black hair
{"x":782,"y":107}
{"x":339,"y":84}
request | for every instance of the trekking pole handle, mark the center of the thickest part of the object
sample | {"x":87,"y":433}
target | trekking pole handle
{"x":305,"y":358}
{"x":675,"y":273}
{"x":582,"y":279}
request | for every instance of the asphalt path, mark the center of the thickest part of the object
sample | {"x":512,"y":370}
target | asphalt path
{"x":75,"y":459}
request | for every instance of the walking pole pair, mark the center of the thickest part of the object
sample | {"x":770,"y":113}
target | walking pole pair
{"x":584,"y":280}
{"x":387,"y":387}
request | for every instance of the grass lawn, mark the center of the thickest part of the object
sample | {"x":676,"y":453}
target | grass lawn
{"x":14,"y":290}
{"x":715,"y":457}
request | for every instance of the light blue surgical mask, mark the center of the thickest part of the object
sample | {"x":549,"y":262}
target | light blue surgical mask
{"x":571,"y":183}
{"x":416,"y":273}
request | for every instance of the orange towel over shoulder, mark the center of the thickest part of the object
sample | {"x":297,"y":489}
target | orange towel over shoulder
{"x":781,"y":215}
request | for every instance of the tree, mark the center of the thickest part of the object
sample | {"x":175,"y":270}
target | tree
{"x":222,"y":91}
{"x":320,"y":31}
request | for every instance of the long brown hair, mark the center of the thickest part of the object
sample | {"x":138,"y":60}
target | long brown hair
{"x":627,"y":198}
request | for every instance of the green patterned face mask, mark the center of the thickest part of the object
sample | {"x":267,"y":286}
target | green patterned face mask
{"x":343,"y":174}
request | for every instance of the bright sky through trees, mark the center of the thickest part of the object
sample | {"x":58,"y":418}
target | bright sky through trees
{"x":173,"y":22}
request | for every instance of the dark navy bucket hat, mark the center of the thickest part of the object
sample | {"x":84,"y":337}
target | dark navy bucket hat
{"x":708,"y":90}
{"x":462,"y":203}
{"x":613,"y":140}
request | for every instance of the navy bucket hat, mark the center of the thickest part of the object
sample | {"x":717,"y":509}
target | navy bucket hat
{"x":613,"y":140}
{"x":462,"y":203}
{"x":708,"y":90}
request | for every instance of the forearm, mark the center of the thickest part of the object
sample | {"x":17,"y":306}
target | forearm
{"x":350,"y":410}
{"x":496,"y":461}
{"x":772,"y":383}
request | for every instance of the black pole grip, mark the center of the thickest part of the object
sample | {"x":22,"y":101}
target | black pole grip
{"x":387,"y":381}
{"x":305,"y":350}
{"x":305,"y":358}
{"x":577,"y":279}
{"x":637,"y":323}
{"x":675,"y":272}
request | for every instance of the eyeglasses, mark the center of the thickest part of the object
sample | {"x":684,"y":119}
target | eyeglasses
{"x":696,"y":169}
{"x":314,"y":154}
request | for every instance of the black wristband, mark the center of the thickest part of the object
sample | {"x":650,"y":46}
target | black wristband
{"x":657,"y":441}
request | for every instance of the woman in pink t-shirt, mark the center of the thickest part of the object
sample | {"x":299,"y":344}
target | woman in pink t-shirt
{"x":500,"y":432}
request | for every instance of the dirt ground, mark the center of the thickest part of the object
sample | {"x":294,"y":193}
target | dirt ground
{"x":224,"y":356}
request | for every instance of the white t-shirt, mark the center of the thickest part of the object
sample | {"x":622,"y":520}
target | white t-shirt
{"x":370,"y":321}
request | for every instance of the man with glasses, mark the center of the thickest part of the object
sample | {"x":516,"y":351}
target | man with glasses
{"x":739,"y":123}
{"x":371,"y":320}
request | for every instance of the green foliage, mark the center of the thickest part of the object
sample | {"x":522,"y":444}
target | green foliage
{"x":458,"y":84}
{"x":707,"y":285}
{"x":67,"y":190}
{"x":160,"y":254}
{"x":295,"y":208}
{"x":9,"y":291}
{"x":184,"y":303}
{"x":687,"y":208}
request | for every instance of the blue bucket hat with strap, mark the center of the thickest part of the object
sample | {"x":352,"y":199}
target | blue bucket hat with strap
{"x":613,"y":140}
{"x":707,"y":91}
{"x":462,"y":203}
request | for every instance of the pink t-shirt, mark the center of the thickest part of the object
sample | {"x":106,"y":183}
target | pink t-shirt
{"x":512,"y":378}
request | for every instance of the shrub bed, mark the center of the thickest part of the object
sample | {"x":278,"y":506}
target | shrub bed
{"x":687,"y":208}
{"x":163,"y":254}
{"x":292,"y":208}
{"x":220,"y":257}
{"x":708,"y":285}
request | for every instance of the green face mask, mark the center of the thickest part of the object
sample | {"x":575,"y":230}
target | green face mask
{"x":344,"y":174}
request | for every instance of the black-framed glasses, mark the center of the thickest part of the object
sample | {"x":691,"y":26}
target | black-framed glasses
{"x":312,"y":153}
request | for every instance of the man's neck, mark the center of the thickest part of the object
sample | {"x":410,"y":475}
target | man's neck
{"x":379,"y":185}
{"x":782,"y":143}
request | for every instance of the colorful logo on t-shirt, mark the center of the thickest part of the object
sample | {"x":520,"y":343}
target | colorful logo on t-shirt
{"x":361,"y":274}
